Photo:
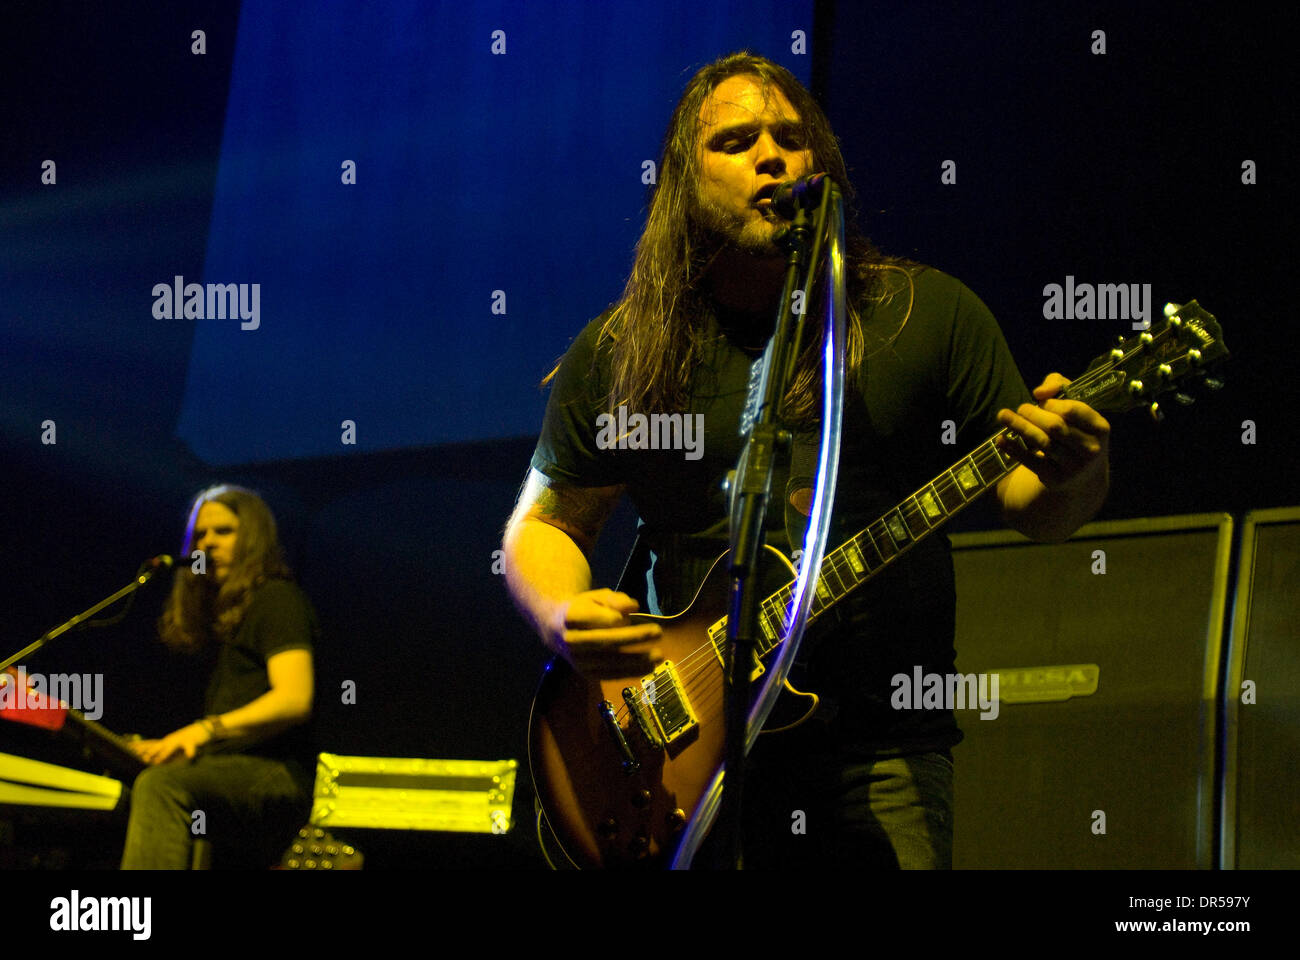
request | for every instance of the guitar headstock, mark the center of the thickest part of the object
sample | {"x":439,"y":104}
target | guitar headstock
{"x":1173,"y":355}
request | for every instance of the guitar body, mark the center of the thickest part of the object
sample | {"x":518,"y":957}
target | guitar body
{"x":624,"y":804}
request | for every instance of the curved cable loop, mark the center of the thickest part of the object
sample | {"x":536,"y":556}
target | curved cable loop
{"x":814,"y":546}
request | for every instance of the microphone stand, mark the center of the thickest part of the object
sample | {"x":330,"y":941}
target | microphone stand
{"x":143,"y":577}
{"x":751,"y":490}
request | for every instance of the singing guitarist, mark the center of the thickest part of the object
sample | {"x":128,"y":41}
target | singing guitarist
{"x":861,"y":784}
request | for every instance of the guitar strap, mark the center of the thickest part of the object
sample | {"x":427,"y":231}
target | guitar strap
{"x":632,"y":580}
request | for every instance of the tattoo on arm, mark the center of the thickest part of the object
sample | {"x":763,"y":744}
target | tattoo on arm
{"x":579,"y":511}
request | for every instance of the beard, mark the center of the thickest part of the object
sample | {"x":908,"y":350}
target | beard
{"x":723,"y":229}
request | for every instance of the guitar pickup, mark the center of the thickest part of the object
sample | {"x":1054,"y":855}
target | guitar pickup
{"x":668,"y":703}
{"x":718,"y":643}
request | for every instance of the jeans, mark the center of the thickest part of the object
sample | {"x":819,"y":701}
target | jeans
{"x":250,"y":806}
{"x":814,"y":806}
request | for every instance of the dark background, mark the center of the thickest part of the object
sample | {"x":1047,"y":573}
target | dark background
{"x":1123,"y":168}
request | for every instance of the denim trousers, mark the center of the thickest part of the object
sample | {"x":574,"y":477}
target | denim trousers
{"x":247,"y":807}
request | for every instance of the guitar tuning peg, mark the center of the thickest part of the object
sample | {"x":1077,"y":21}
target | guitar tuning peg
{"x":1213,"y":383}
{"x":1184,"y":399}
{"x":1156,"y":413}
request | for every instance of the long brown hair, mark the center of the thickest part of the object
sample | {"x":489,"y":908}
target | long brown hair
{"x":197,"y":611}
{"x":656,"y":329}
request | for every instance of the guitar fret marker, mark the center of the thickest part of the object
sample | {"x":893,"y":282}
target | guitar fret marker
{"x":966,"y":476}
{"x":854,"y":556}
{"x":931,"y":507}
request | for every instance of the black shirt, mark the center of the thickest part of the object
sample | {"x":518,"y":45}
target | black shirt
{"x":280,"y":618}
{"x":947,"y":362}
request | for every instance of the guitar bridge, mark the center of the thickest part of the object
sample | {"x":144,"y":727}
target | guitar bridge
{"x":668,"y":703}
{"x":642,"y":718}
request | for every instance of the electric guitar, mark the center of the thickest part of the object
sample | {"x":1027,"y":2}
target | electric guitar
{"x":620,"y":765}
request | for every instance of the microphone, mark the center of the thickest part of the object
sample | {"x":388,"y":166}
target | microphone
{"x":795,"y":195}
{"x":150,"y":568}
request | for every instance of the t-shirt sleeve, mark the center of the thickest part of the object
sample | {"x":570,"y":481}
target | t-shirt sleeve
{"x":284,"y":620}
{"x":568,"y":448}
{"x":982,"y":375}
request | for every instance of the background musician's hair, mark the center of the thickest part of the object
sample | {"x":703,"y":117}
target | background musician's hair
{"x":199,"y":611}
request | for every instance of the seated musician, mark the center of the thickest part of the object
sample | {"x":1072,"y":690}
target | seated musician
{"x":240,"y":777}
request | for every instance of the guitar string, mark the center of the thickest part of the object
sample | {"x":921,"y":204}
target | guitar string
{"x":708,"y":650}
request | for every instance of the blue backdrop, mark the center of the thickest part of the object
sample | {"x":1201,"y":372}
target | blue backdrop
{"x":497,"y":200}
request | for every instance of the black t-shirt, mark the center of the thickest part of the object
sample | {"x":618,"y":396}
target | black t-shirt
{"x":947,"y":362}
{"x":280,"y":618}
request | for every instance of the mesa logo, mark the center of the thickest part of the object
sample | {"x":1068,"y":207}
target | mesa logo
{"x":1049,"y":684}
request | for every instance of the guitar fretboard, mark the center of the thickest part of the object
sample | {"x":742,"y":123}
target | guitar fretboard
{"x":860,"y":558}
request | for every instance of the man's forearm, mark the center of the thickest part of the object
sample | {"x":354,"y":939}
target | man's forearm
{"x":544,"y":568}
{"x":1051,"y":516}
{"x":273,"y":711}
